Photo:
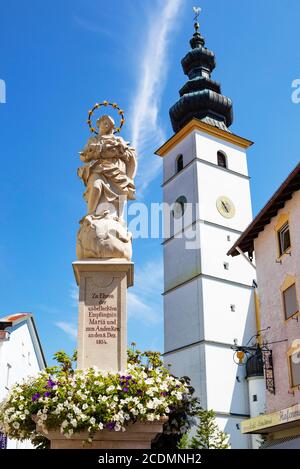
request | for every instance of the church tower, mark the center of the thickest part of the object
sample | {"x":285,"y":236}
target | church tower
{"x":208,"y":296}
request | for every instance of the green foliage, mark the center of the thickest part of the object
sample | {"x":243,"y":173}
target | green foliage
{"x":181,"y":419}
{"x":208,"y":435}
{"x":184,"y":442}
{"x":65,"y":362}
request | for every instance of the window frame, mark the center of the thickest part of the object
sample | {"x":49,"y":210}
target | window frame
{"x":290,"y":353}
{"x":222,"y":154}
{"x":283,"y":220}
{"x":179,"y":158}
{"x":281,"y":240}
{"x":290,"y":281}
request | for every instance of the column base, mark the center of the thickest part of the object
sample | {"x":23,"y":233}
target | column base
{"x":137,"y":435}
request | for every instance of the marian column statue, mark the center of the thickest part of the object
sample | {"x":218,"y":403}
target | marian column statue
{"x":104,"y":269}
{"x":108,"y":173}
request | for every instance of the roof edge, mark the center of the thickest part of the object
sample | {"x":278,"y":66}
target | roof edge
{"x":277,"y":198}
{"x":196,"y":124}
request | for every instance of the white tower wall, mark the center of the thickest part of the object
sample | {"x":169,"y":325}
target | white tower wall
{"x":208,"y":296}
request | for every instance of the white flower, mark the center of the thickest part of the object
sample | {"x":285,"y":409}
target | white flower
{"x":150,"y":405}
{"x":150,"y":417}
{"x":100,"y":426}
{"x":16,"y":425}
{"x":92,"y":420}
{"x":110,"y":388}
{"x":149,"y":381}
{"x":64,"y":424}
{"x":85,"y":406}
{"x":74,"y":423}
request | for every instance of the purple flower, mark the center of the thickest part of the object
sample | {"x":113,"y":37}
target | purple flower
{"x":50,"y":384}
{"x":177,"y":386}
{"x":47,"y":394}
{"x":111,"y":425}
{"x":139,"y":391}
{"x":128,"y":377}
{"x":164,"y":393}
{"x":36,"y":396}
{"x":126,"y":389}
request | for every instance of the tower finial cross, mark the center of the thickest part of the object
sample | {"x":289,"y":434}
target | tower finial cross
{"x":197,"y":11}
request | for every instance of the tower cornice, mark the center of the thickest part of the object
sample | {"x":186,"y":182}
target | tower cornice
{"x":196,"y":124}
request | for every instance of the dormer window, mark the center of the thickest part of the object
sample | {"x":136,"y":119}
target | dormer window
{"x":222,"y":160}
{"x":179,"y":163}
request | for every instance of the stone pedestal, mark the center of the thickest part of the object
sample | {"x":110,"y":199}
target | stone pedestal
{"x":102,"y":318}
{"x":137,"y":436}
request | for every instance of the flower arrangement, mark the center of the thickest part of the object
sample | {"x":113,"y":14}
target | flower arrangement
{"x":91,"y":400}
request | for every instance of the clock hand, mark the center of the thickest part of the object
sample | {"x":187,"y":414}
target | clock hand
{"x":225,"y":207}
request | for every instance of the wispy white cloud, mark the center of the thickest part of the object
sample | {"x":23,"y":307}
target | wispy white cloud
{"x":69,"y":328}
{"x":146,"y":130}
{"x":93,"y":27}
{"x":74,"y":294}
{"x":144,"y":301}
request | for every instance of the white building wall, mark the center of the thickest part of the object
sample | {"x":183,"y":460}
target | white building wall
{"x":18,"y":360}
{"x":200,"y":325}
{"x":215,"y":242}
{"x":257,"y":389}
{"x":214,"y":182}
{"x":183,"y":323}
{"x":208,"y":146}
{"x":190,"y":362}
{"x":221,"y":324}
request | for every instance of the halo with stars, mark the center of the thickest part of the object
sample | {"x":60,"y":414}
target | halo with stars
{"x":97,"y":106}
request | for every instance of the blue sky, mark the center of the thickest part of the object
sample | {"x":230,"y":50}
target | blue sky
{"x":58,"y":58}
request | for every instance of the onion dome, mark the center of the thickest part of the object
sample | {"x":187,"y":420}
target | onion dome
{"x":201,"y":97}
{"x":255,"y":364}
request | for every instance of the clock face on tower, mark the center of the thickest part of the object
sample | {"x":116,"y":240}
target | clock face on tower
{"x":225,"y":207}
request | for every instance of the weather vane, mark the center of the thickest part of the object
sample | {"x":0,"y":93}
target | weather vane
{"x":197,"y":11}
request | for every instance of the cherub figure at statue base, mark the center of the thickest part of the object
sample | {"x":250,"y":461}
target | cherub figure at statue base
{"x":103,"y":236}
{"x":110,"y":166}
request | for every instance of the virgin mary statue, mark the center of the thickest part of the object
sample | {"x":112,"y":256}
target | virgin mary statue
{"x":108,"y":174}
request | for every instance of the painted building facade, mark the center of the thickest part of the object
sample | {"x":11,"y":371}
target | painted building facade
{"x":274,"y":237}
{"x":21,"y":355}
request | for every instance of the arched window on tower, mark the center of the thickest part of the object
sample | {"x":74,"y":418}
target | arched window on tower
{"x":222,"y":159}
{"x":179,"y":163}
